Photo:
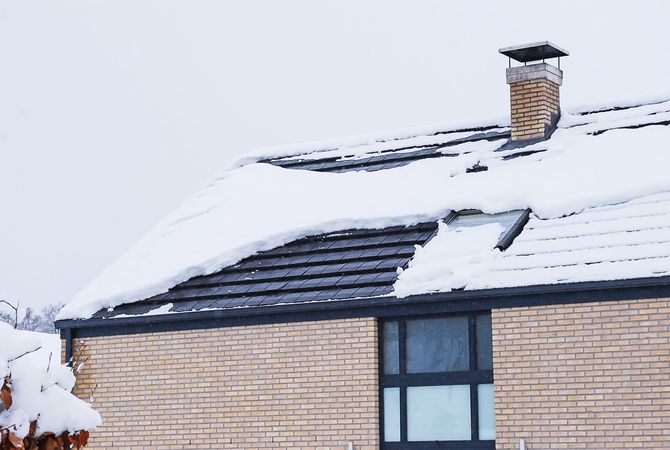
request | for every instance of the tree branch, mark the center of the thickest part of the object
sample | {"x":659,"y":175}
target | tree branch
{"x":9,"y":427}
{"x":24,"y":354}
{"x":16,"y":311}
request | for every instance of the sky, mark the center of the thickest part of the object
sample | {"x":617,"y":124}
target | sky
{"x":113,"y":112}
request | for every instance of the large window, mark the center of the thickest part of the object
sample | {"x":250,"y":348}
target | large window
{"x":437,"y":383}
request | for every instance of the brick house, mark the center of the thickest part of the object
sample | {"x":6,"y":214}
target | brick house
{"x":542,"y":322}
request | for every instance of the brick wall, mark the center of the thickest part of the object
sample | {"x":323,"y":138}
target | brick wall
{"x":533,"y":104}
{"x":309,"y":385}
{"x":590,"y":376}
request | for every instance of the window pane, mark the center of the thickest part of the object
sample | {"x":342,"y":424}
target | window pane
{"x":438,"y":413}
{"x":391,"y":347}
{"x":437,"y":345}
{"x":506,"y":219}
{"x":487,"y":417}
{"x":391,"y":414}
{"x":484,"y":345}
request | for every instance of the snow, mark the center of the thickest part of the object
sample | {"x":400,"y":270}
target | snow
{"x":450,"y":260}
{"x":258,"y":207}
{"x":365,"y":150}
{"x":604,"y":121}
{"x":160,"y":310}
{"x":41,"y":386}
{"x":619,"y":102}
{"x":354,"y":145}
{"x":163,"y":309}
{"x":627,"y":240}
{"x":440,"y":134}
{"x":620,"y":241}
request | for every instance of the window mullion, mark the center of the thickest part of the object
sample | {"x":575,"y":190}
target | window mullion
{"x":380,"y":355}
{"x":474,"y":401}
{"x":433,"y":379}
{"x":402,"y":369}
{"x":402,"y":347}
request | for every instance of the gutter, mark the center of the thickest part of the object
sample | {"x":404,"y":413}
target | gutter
{"x":388,"y":306}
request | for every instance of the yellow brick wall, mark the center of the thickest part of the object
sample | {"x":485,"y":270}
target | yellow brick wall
{"x":533,"y":103}
{"x":308,"y":385}
{"x":587,"y":376}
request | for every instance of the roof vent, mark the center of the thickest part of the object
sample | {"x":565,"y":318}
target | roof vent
{"x":534,"y":90}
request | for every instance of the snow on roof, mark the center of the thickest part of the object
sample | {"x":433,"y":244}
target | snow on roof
{"x":341,"y":265}
{"x":628,"y":240}
{"x":363,"y":143}
{"x":602,"y":158}
{"x":41,"y":386}
{"x":450,"y":260}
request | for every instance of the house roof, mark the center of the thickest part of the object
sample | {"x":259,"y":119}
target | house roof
{"x":331,"y":266}
{"x":597,"y":189}
{"x":394,"y":156}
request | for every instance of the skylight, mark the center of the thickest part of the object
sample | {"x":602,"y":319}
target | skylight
{"x":461,"y":252}
{"x":512,"y":223}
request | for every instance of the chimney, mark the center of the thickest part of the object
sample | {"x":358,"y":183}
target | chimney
{"x":534,"y":90}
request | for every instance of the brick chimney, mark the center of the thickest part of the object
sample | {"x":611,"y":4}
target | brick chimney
{"x":534,"y":90}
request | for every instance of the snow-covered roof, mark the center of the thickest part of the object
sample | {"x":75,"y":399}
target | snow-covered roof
{"x":331,"y":266}
{"x":598,"y":192}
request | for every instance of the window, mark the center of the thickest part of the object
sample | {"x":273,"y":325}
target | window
{"x":437,"y":383}
{"x":512,"y":223}
{"x":470,"y":218}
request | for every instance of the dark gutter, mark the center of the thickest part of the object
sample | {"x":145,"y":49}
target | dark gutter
{"x":66,"y":334}
{"x":455,"y":301}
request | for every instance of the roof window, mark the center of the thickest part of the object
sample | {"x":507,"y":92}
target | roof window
{"x":511,"y":221}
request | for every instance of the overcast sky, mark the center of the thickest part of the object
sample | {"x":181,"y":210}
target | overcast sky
{"x":112,"y":112}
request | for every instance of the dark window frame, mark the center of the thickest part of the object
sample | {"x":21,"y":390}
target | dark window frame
{"x":403,"y":380}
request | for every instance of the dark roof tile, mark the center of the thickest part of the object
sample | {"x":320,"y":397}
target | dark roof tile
{"x":386,"y":159}
{"x":345,"y":264}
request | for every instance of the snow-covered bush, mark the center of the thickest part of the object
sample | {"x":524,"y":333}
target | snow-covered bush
{"x":37,"y":408}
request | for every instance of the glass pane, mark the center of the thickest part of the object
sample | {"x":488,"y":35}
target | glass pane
{"x":487,"y":417}
{"x":437,"y":345}
{"x":506,"y":219}
{"x":484,"y":345}
{"x":438,"y":413}
{"x":391,"y":414}
{"x":391,"y":360}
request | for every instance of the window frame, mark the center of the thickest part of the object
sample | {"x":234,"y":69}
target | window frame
{"x":403,"y":380}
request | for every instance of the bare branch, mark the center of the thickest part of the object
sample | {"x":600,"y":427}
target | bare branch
{"x":16,"y":311}
{"x":9,"y":427}
{"x":90,"y":398}
{"x":24,"y":354}
{"x":80,"y":366}
{"x":79,"y":358}
{"x":48,"y":367}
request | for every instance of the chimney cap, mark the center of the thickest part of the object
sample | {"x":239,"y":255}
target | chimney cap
{"x":533,"y":52}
